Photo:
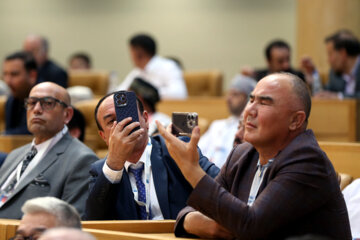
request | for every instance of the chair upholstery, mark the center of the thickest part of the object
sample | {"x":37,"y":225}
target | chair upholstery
{"x":345,"y":179}
{"x":97,"y":81}
{"x":92,"y":138}
{"x":2,"y":112}
{"x":204,"y":83}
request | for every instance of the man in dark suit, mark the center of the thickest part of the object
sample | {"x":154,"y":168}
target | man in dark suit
{"x":138,"y":179}
{"x":278,"y":184}
{"x":47,"y":69}
{"x":278,"y":59}
{"x":54,"y":164}
{"x":19,"y":73}
{"x":343,"y":49}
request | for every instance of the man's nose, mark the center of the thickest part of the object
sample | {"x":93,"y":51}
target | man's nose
{"x":37,"y":107}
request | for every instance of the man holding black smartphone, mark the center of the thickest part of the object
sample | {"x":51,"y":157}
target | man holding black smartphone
{"x":138,"y":179}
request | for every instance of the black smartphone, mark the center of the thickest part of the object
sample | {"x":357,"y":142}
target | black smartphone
{"x":183,"y":123}
{"x":126,"y":106}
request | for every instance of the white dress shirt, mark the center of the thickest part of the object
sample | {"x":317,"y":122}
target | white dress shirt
{"x":218,"y":140}
{"x":116,"y":176}
{"x":352,"y":199}
{"x":164,"y":74}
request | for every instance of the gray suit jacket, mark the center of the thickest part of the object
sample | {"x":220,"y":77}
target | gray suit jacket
{"x":62,"y":173}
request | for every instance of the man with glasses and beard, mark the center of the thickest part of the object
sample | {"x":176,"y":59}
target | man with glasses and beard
{"x":54,"y":164}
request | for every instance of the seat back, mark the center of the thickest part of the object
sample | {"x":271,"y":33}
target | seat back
{"x":97,"y":81}
{"x":204,"y":83}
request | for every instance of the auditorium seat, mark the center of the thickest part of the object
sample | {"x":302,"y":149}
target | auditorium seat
{"x":345,"y":179}
{"x":204,"y":83}
{"x":2,"y":112}
{"x":97,"y":81}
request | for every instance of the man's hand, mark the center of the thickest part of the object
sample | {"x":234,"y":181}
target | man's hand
{"x":307,"y":65}
{"x":200,"y":225}
{"x":248,"y":71}
{"x":185,"y":154}
{"x":121,"y":144}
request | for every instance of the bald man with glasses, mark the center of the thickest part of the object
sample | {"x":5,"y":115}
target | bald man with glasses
{"x":54,"y":164}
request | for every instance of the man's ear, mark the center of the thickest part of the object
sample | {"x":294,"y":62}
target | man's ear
{"x":146,"y":118}
{"x":102,"y":135}
{"x":69,"y":112}
{"x":297,"y":120}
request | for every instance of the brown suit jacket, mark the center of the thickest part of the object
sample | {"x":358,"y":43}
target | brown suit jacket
{"x":299,"y":195}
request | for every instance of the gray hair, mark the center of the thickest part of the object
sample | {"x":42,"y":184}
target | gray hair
{"x":65,"y":214}
{"x":66,"y":234}
{"x":243,"y":84}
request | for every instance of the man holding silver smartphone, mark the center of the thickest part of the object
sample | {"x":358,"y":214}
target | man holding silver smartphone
{"x":138,"y":179}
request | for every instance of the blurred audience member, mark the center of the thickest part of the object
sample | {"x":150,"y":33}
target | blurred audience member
{"x":163,"y":73}
{"x":239,"y":135}
{"x":149,"y":96}
{"x":80,"y":61}
{"x":48,"y":71}
{"x":54,"y":164}
{"x":352,"y":199}
{"x":217,"y":142}
{"x":343,"y":50}
{"x":4,"y":88}
{"x":278,"y":57}
{"x":63,"y":233}
{"x":77,"y":125}
{"x":43,"y":213}
{"x":19,"y":73}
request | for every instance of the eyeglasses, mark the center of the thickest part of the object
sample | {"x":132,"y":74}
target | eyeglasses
{"x":46,"y":103}
{"x":32,"y":237}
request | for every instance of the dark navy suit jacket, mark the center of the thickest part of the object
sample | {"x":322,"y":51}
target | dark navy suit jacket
{"x":109,"y":201}
{"x":15,"y":117}
{"x":50,"y":72}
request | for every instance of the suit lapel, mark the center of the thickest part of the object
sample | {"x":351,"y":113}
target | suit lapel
{"x":160,"y":177}
{"x":13,"y":164}
{"x":45,"y":163}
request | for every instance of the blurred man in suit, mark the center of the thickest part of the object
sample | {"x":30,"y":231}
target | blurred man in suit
{"x":44,"y":213}
{"x":19,"y":73}
{"x":138,"y":179}
{"x":48,"y":71}
{"x":54,"y":164}
{"x":343,"y":50}
{"x":277,"y":184}
{"x":278,"y":59}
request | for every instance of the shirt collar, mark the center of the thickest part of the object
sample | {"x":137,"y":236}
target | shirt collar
{"x":352,"y":74}
{"x":142,"y":159}
{"x":45,"y":145}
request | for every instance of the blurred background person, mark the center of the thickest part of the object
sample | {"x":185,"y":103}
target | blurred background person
{"x":48,"y":71}
{"x":278,"y":59}
{"x":161,"y":72}
{"x":217,"y":141}
{"x":149,"y":96}
{"x":343,"y":51}
{"x":80,"y":61}
{"x":19,"y":73}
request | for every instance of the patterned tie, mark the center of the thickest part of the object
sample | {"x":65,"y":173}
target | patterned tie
{"x":141,"y":189}
{"x":28,"y":157}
